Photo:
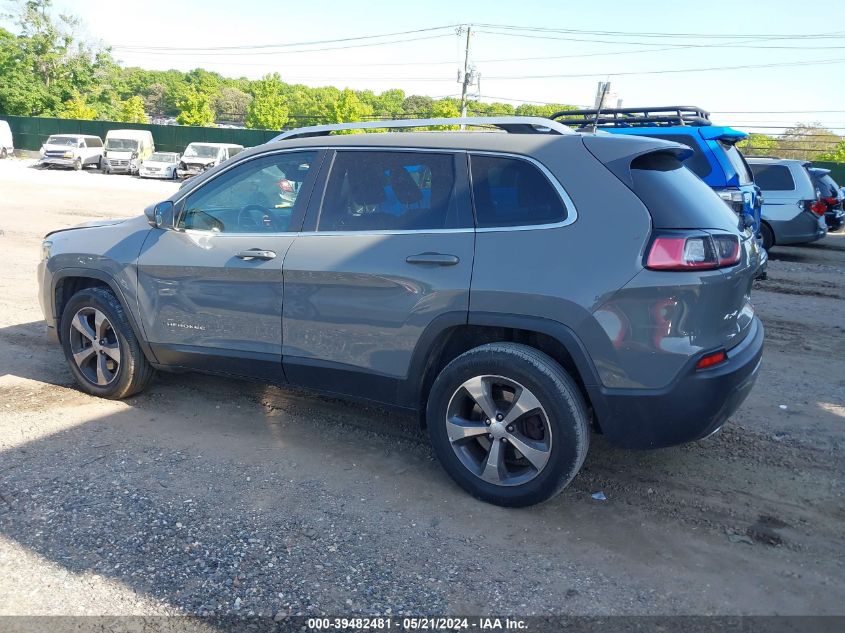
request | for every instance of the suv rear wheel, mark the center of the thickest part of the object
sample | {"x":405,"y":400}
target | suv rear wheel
{"x":768,"y":236}
{"x":508,"y":424}
{"x":100,"y":346}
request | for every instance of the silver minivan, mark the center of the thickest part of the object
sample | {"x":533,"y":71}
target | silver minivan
{"x":792,"y":212}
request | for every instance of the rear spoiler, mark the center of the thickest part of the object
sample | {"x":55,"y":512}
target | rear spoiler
{"x":617,"y":152}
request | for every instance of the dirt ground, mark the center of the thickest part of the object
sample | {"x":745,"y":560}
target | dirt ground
{"x":212,"y":495}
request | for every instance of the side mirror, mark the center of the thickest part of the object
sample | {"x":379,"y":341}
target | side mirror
{"x":161,"y":215}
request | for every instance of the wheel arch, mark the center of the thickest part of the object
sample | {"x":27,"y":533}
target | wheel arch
{"x":449,"y":336}
{"x":68,"y":281}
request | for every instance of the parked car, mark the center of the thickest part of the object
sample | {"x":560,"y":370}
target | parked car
{"x":831,"y":196}
{"x":792,"y":210}
{"x":127,"y":149}
{"x":7,"y":145}
{"x":198,"y":157}
{"x":715,"y":159}
{"x":497,"y":304}
{"x":160,"y":165}
{"x":72,"y":150}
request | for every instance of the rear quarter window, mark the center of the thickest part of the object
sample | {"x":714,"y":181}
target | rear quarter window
{"x":676,"y":198}
{"x":513,"y":192}
{"x":773,"y":177}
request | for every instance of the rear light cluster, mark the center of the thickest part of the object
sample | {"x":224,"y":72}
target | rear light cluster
{"x":815,"y":206}
{"x":693,"y":252}
{"x":711,"y":360}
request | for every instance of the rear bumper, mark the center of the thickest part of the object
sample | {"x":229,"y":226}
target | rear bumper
{"x":695,"y":405}
{"x":804,"y":227}
{"x":835,"y":220}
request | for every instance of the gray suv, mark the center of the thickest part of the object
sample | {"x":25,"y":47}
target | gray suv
{"x":515,"y":289}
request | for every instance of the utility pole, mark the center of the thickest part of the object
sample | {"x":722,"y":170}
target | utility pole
{"x":467,"y":78}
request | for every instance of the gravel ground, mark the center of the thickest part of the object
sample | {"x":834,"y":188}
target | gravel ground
{"x":208,"y":495}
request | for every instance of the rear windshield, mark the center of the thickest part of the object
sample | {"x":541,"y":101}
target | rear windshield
{"x":698,"y":162}
{"x":737,"y":162}
{"x":828,"y":185}
{"x":773,"y":177}
{"x":676,"y":198}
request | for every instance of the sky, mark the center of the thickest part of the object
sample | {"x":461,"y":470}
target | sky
{"x":628,"y":43}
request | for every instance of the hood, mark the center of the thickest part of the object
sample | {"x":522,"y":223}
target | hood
{"x":198,"y":160}
{"x":88,"y":225}
{"x":156,"y":163}
{"x":118,"y":153}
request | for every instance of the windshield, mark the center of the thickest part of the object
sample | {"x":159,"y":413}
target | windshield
{"x":195,"y":150}
{"x":737,"y":162}
{"x":121,"y":144}
{"x":69,"y":141}
{"x":160,"y":157}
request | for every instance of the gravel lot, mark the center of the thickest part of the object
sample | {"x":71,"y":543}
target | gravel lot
{"x":212,"y":495}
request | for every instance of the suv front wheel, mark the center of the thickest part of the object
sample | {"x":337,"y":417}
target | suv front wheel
{"x":508,"y":424}
{"x":100,"y":346}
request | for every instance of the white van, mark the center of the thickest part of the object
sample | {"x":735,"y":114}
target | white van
{"x":127,"y":149}
{"x":198,"y":157}
{"x":72,"y":150}
{"x":6,"y":145}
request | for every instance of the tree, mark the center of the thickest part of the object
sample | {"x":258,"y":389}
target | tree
{"x":195,"y":109}
{"x":77,"y":108}
{"x":132,"y":111}
{"x":417,"y":106}
{"x":805,"y":141}
{"x":443,"y":109}
{"x":836,"y":155}
{"x":231,"y":104}
{"x":545,"y":111}
{"x":758,"y":145}
{"x":268,"y":109}
{"x":349,"y":108}
{"x":154,"y":98}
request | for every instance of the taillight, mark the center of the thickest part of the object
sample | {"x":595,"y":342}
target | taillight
{"x":693,"y":252}
{"x":711,"y":360}
{"x":815,"y":206}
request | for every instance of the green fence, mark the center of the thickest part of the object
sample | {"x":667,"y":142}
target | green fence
{"x":837,"y":171}
{"x":31,"y":132}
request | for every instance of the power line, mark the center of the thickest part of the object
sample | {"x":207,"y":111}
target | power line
{"x":288,"y":45}
{"x":817,"y":62}
{"x":656,"y":34}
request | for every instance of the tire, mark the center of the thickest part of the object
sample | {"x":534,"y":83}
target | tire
{"x":3,"y":153}
{"x":556,"y":431}
{"x":110,"y":364}
{"x":768,"y":236}
{"x":77,"y":164}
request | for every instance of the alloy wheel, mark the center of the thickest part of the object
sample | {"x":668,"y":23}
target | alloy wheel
{"x":94,"y":345}
{"x":499,"y":430}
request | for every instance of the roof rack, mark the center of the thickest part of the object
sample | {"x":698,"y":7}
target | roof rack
{"x":663,"y":116}
{"x":511,"y":124}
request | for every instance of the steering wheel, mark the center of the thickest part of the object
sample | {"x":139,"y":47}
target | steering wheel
{"x":264,"y":222}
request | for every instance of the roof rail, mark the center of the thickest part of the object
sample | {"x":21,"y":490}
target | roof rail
{"x":663,"y":116}
{"x":512,"y":124}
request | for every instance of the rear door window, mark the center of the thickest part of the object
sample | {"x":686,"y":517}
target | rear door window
{"x":513,"y":192}
{"x":389,"y":190}
{"x":773,"y":177}
{"x":698,"y":162}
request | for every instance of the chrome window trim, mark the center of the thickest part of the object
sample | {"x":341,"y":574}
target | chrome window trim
{"x":571,"y":211}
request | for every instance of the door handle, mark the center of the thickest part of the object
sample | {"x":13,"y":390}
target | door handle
{"x":438,"y":259}
{"x":256,"y":253}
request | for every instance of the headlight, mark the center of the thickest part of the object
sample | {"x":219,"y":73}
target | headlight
{"x":134,"y":155}
{"x":46,"y":245}
{"x":68,"y":154}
